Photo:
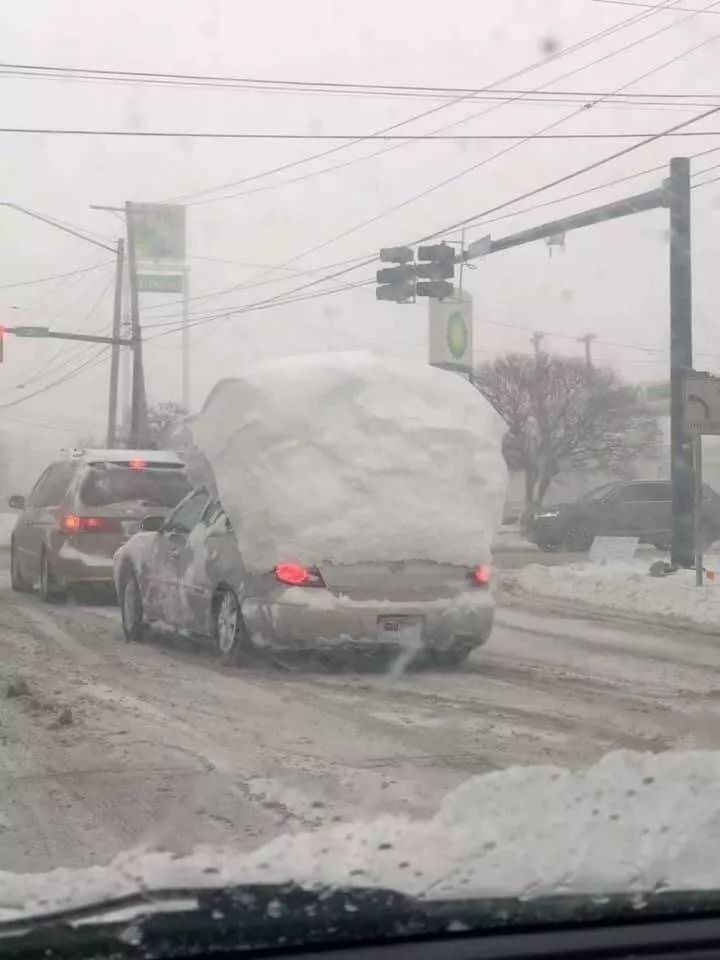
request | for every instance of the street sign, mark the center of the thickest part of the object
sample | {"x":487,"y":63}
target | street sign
{"x":451,"y":330}
{"x":478,"y":248}
{"x":30,"y":331}
{"x":702,"y":404}
{"x":613,"y":548}
{"x":159,"y":283}
{"x":159,"y":231}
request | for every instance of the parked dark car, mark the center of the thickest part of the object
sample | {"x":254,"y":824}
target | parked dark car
{"x":82,"y":509}
{"x":639,"y":508}
{"x":186,"y":572}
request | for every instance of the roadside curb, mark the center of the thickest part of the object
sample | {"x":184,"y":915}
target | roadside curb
{"x":510,"y":594}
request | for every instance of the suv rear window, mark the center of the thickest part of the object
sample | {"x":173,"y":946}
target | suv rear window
{"x":105,"y":485}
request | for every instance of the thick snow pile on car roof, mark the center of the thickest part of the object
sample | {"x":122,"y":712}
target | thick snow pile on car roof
{"x":348,"y":457}
{"x":634,"y":822}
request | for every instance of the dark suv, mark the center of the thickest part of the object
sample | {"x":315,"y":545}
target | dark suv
{"x":82,"y":509}
{"x":639,"y":508}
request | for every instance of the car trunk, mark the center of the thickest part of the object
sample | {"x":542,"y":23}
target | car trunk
{"x":409,"y":580}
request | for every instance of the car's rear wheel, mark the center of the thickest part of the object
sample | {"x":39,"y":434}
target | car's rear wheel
{"x":230,"y":636}
{"x":131,"y":609}
{"x":578,"y":537}
{"x":17,"y":580}
{"x":50,"y":590}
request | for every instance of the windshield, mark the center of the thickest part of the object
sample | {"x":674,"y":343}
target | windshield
{"x":359,"y":434}
{"x":107,"y":485}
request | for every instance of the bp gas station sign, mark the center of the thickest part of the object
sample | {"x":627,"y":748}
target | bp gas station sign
{"x":450,"y":335}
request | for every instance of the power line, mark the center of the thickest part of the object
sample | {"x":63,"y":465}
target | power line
{"x":654,"y":6}
{"x":573,"y":48}
{"x":56,"y":383}
{"x":418,"y":137}
{"x":56,"y":276}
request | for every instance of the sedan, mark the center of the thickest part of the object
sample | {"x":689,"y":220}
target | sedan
{"x":187,"y":572}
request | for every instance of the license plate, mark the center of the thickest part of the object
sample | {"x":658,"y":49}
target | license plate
{"x":406,"y":631}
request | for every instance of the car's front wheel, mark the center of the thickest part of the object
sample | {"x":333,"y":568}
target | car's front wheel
{"x":50,"y":590}
{"x":229,"y":629}
{"x":17,"y":580}
{"x":131,"y":609}
{"x":578,"y":537}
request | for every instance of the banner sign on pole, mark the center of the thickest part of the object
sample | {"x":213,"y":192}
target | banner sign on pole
{"x":451,"y":332}
{"x":159,"y":231}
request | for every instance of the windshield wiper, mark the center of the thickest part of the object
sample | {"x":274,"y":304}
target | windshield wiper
{"x":188,"y":920}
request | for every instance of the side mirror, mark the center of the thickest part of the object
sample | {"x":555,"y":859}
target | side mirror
{"x":152,"y":524}
{"x":16,"y":502}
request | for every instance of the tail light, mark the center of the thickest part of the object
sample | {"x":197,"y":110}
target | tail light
{"x":295,"y":575}
{"x":480,"y":576}
{"x":72,"y":523}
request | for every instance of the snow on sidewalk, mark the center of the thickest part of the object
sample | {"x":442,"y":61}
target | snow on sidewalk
{"x":624,"y":588}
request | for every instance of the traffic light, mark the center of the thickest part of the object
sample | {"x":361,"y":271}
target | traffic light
{"x":396,"y":283}
{"x":436,"y":263}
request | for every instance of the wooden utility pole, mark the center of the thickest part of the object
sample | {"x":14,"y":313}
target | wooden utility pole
{"x":115,"y":351}
{"x":138,"y":408}
{"x":587,"y":340}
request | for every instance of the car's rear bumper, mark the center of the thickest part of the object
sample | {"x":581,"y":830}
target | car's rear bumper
{"x":71,"y":565}
{"x":306,"y":619}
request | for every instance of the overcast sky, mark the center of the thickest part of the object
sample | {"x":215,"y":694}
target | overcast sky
{"x":611,"y":280}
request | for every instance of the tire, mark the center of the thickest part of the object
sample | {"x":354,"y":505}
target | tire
{"x":50,"y":592}
{"x":17,"y":580}
{"x":228,"y":628}
{"x":578,"y":537}
{"x":549,"y":547}
{"x":131,"y":609}
{"x":454,"y":657}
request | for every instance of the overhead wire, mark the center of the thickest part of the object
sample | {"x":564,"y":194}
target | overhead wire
{"x":573,"y":48}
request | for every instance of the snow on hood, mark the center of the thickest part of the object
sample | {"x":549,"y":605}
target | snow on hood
{"x":633,"y":822}
{"x":348,"y":457}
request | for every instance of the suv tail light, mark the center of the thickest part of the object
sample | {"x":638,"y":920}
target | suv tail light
{"x":295,"y":575}
{"x":480,"y":576}
{"x":72,"y":523}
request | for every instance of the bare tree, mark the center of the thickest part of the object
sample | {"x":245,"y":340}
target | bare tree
{"x":162,"y":418}
{"x":563,"y":415}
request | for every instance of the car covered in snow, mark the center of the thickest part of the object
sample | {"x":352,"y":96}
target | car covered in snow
{"x":82,"y":509}
{"x":354,"y":502}
{"x":186,"y":572}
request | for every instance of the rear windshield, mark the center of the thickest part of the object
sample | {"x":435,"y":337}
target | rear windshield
{"x":153,"y":488}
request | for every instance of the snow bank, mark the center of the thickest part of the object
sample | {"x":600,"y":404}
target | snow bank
{"x":633,"y":822}
{"x":348,"y":457}
{"x":7,"y":525}
{"x":625,"y":587}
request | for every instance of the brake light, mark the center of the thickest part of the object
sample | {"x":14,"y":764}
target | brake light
{"x":137,"y":464}
{"x":481,"y":575}
{"x":295,"y":575}
{"x":72,"y":523}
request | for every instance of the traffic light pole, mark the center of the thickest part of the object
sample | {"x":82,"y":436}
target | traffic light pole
{"x":674,"y":195}
{"x":138,"y":411}
{"x":115,"y":354}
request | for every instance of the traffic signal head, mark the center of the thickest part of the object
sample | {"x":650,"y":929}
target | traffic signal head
{"x":397,"y":292}
{"x":402,"y":274}
{"x":396,"y":255}
{"x":438,"y":252}
{"x":438,"y":289}
{"x":435,"y":270}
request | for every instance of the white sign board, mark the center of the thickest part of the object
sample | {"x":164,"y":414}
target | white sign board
{"x":613,"y":548}
{"x":451,"y":332}
{"x":702,"y":405}
{"x":159,"y":231}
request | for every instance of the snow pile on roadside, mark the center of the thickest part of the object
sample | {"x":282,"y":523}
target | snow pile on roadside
{"x":349,"y":457}
{"x":632,"y":822}
{"x":7,"y":525}
{"x":623,"y":587}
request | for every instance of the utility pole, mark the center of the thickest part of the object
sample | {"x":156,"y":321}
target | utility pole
{"x":115,"y":353}
{"x":587,"y":340}
{"x":138,"y":411}
{"x":537,"y":339}
{"x":185,"y":343}
{"x":681,"y":465}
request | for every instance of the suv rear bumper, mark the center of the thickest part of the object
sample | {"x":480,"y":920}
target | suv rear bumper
{"x":71,"y":565}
